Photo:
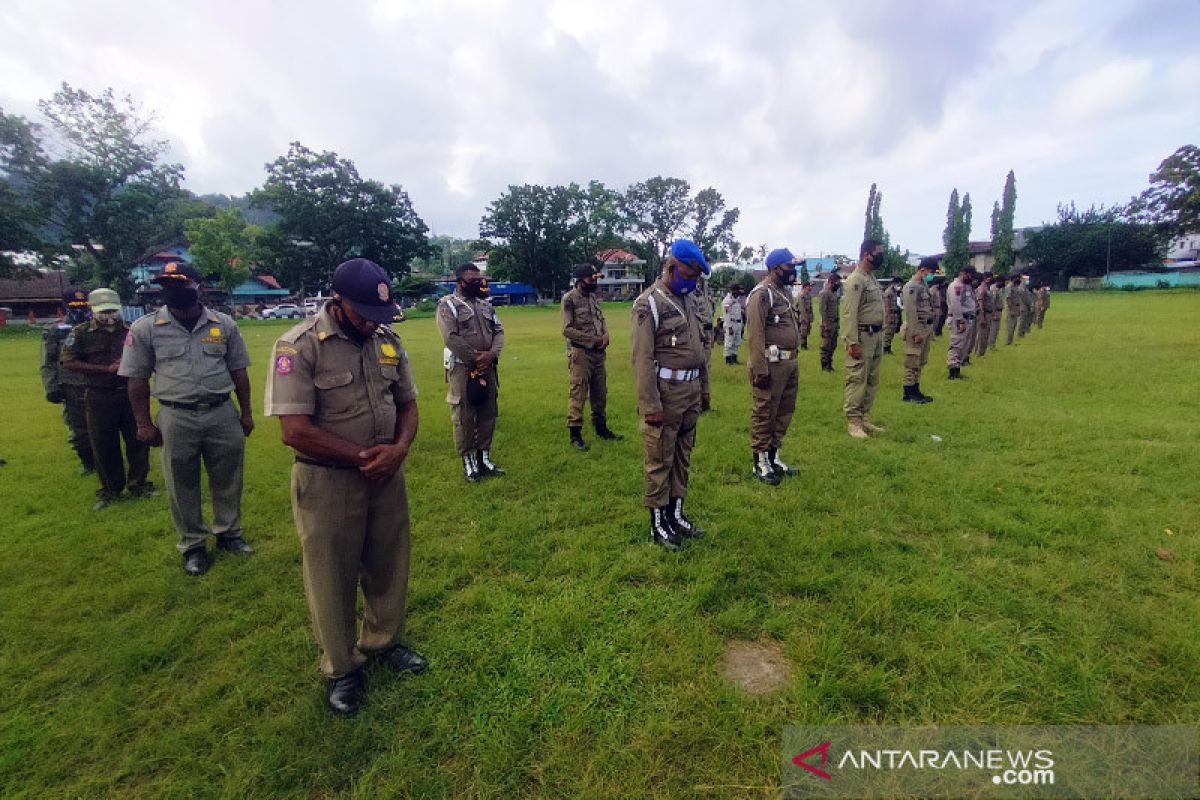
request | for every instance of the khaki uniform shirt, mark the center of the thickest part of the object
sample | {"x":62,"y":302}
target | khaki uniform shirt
{"x":889,"y":303}
{"x":582,"y":320}
{"x":350,"y":390}
{"x":804,"y":307}
{"x":918,"y":309}
{"x":469,"y":326}
{"x":997,"y":301}
{"x":983,"y":301}
{"x":864,"y":304}
{"x":1026,"y":299}
{"x":188,"y":366}
{"x":92,"y":343}
{"x":960,"y":300}
{"x":1043,"y":298}
{"x":770,"y":320}
{"x":54,"y":377}
{"x":666,"y":332}
{"x":704,"y":308}
{"x":829,"y":308}
{"x":1012,"y":299}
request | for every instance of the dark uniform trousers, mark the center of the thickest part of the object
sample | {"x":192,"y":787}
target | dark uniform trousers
{"x":109,"y":420}
{"x":352,"y":529}
{"x":473,"y":425}
{"x":75,"y":416}
{"x":589,"y":380}
{"x":773,"y":407}
{"x":214,"y":435}
{"x":668,"y":447}
{"x":829,"y":342}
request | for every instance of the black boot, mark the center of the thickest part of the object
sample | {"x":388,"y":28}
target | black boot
{"x":763,"y":469}
{"x":777,"y":464}
{"x":804,"y":345}
{"x":888,"y":349}
{"x":728,"y":360}
{"x":924,"y":398}
{"x":471,"y":468}
{"x":682,"y":524}
{"x":484,"y":459}
{"x":909,"y":396}
{"x":344,"y":694}
{"x":734,"y":357}
{"x":661,"y":530}
{"x":600,"y":423}
{"x":577,"y":438}
{"x":956,"y":374}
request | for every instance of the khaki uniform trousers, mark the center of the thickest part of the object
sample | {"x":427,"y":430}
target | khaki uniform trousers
{"x":1040,"y":316}
{"x":916,"y":356}
{"x":667,"y":448}
{"x":994,"y":330}
{"x":773,"y":407}
{"x":805,"y":329}
{"x":352,"y":531}
{"x":589,"y":379}
{"x":733,"y":336}
{"x":890,"y":326}
{"x":473,"y":425}
{"x":829,"y":341}
{"x":983,"y":332}
{"x":862,"y":376}
{"x":109,"y":421}
{"x":1010,"y":327}
{"x":1026,"y":323}
{"x":75,"y":417}
{"x":214,"y":436}
{"x":960,"y":342}
{"x":972,"y":329}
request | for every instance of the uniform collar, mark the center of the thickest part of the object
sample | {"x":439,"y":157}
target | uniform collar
{"x":661,"y":283}
{"x":163,"y":316}
{"x":326,"y":326}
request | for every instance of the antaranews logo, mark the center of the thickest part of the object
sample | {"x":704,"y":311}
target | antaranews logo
{"x":802,"y":760}
{"x":1008,"y":767}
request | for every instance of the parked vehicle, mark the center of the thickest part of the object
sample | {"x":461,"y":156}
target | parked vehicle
{"x":283,"y":311}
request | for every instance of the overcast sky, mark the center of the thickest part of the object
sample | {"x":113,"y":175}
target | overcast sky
{"x":790,"y":109}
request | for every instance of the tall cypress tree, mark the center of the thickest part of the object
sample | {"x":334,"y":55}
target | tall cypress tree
{"x":950,"y":235}
{"x":1002,"y":227}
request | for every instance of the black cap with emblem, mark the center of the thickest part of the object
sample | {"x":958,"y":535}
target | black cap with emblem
{"x":368,"y":289}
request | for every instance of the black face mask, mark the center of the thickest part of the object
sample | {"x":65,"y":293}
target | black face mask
{"x":470,"y":289}
{"x":352,"y":333}
{"x":588,"y":287}
{"x":180,"y":298}
{"x":789,"y":277}
{"x":877,"y":259}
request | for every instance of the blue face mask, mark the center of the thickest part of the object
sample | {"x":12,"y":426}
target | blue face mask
{"x":681,"y":285}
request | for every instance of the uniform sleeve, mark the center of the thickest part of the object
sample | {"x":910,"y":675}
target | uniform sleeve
{"x":137,"y":359}
{"x":569,"y":330}
{"x":50,"y":361}
{"x":641,"y":341}
{"x":850,"y":311}
{"x":406,"y":388}
{"x":910,"y":305}
{"x":448,"y":326}
{"x":954,"y":301}
{"x":290,"y":385}
{"x":236,"y":355}
{"x":756,"y":333}
{"x":498,"y":334}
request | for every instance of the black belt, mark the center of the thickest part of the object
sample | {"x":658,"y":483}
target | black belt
{"x":708,"y":327}
{"x":589,"y":349}
{"x":925,"y":321}
{"x":968,"y":317}
{"x":204,"y":405}
{"x":315,"y":463}
{"x":870,"y":328}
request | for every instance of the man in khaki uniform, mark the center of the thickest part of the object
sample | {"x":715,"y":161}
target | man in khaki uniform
{"x":197,"y":356}
{"x":474,"y":338}
{"x":917,"y":330}
{"x":891,"y":313}
{"x":983,"y":314}
{"x":93,"y":350}
{"x":996,"y":292}
{"x":343,"y":390}
{"x":862,"y":320}
{"x":1043,"y":303}
{"x":705,"y":308}
{"x":960,"y":304}
{"x":63,"y":386}
{"x":1012,"y":299}
{"x":1027,"y":303}
{"x":829,"y":319}
{"x":937,"y":296}
{"x":667,"y":341}
{"x":587,"y":339}
{"x":804,"y":312}
{"x":774,"y":336}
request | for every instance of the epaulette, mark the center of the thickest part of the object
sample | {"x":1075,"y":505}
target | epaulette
{"x":294,"y":333}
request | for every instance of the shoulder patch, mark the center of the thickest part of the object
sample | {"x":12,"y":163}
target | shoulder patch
{"x":284,"y":363}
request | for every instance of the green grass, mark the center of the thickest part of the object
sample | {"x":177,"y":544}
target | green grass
{"x":1005,"y":575}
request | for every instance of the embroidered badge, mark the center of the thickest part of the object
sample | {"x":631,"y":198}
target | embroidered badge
{"x":129,"y":339}
{"x":214,"y":332}
{"x":284,"y":364}
{"x":383,"y":291}
{"x":388,"y":350}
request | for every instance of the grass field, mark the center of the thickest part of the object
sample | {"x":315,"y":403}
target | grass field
{"x":1006,"y":574}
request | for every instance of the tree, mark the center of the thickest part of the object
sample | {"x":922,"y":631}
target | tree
{"x":1002,"y":227}
{"x":223,"y":245}
{"x":656,"y":212}
{"x":873,"y":229}
{"x":22,"y":164}
{"x":712,"y":225}
{"x":723,"y":278}
{"x":599,"y":209}
{"x":1173,"y":199}
{"x":328,"y":214}
{"x":957,"y":235}
{"x":535,"y":233}
{"x":1091,"y":242}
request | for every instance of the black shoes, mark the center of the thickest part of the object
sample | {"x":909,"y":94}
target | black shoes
{"x":344,"y":694}
{"x":577,"y":438}
{"x":827,"y":367}
{"x":195,"y":561}
{"x":682,"y":525}
{"x":602,"y":431}
{"x":103,"y":501}
{"x":85,"y":470}
{"x":471,"y":468}
{"x":143,"y":490}
{"x":764,"y":470}
{"x":888,"y":349}
{"x":484,"y":459}
{"x":956,"y":374}
{"x":402,"y":659}
{"x":235,"y":544}
{"x":777,"y":464}
{"x":924,"y":397}
{"x":662,"y":532}
{"x":912,"y":394}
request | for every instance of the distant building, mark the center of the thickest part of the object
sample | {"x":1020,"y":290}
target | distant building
{"x":150,"y":266}
{"x":1184,"y":250}
{"x":40,"y":292}
{"x":620,"y":274}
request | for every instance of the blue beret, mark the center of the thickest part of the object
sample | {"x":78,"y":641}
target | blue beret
{"x":687,"y":252}
{"x":780,"y":256}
